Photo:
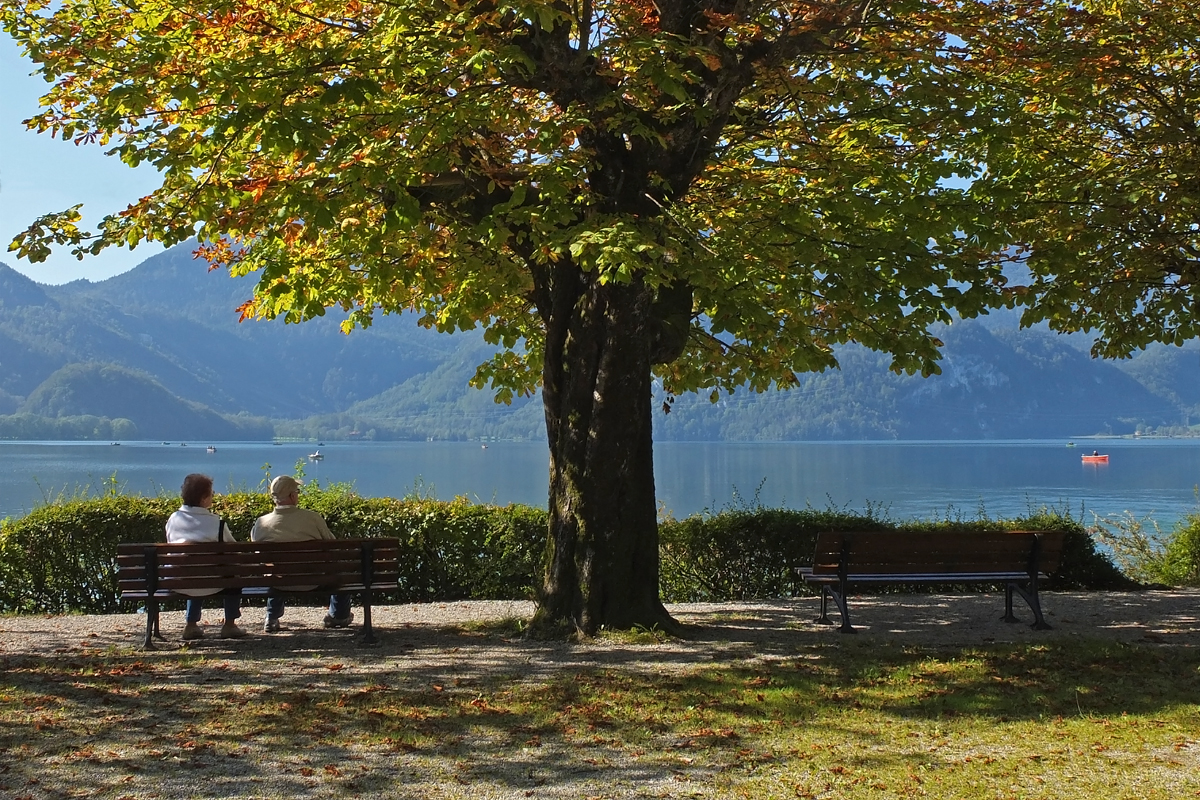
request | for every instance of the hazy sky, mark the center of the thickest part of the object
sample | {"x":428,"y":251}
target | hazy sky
{"x":39,"y":175}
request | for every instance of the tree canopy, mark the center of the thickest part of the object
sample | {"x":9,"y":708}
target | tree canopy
{"x":718,"y":191}
{"x":1098,"y":182}
{"x":792,"y":164}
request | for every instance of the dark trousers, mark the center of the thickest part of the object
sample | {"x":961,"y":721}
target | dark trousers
{"x":339,"y":606}
{"x":233,"y":605}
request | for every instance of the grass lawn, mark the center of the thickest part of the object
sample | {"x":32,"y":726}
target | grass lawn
{"x":849,"y":719}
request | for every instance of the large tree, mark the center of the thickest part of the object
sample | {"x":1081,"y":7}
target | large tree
{"x":713,"y":192}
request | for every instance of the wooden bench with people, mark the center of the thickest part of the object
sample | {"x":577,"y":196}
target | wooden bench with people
{"x":1018,"y":560}
{"x":155,"y":572}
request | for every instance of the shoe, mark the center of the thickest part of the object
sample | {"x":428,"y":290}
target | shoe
{"x":230,"y":630}
{"x":271,"y":625}
{"x":192,"y":631}
{"x":339,"y":622}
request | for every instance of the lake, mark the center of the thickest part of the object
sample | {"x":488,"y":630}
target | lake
{"x":903,"y":479}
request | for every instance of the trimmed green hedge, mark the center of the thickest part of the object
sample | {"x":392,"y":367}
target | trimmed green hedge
{"x":743,"y":554}
{"x":60,"y":557}
{"x":448,"y":550}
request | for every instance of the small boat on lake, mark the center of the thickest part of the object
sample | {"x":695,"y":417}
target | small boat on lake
{"x":212,"y":449}
{"x":315,"y":456}
{"x":1096,"y":458}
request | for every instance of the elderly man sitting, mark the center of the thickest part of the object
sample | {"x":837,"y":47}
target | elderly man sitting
{"x":290,"y":523}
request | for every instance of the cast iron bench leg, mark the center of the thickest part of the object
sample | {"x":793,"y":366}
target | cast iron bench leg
{"x":151,"y":624}
{"x":843,"y":605}
{"x":368,"y":578}
{"x":368,"y":631}
{"x":1008,"y":603}
{"x":1035,"y":605}
{"x":824,"y":618}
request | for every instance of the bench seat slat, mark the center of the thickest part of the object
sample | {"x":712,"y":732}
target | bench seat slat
{"x":329,"y":581}
{"x":353,"y":559}
{"x":922,"y":577}
{"x":247,"y":574}
{"x":192,"y":576}
{"x":214,"y":562}
{"x":241,"y":566}
{"x":913,"y":565}
{"x":250,"y":591}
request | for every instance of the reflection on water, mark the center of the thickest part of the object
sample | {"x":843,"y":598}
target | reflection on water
{"x":902,"y":479}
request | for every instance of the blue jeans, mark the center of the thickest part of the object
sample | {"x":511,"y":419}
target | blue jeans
{"x":233,"y":606}
{"x":339,"y":606}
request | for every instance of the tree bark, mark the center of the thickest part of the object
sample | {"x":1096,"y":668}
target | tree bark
{"x":602,"y":566}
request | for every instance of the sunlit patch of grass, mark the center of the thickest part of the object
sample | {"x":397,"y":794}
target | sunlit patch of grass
{"x":859,"y":720}
{"x":638,"y":635}
{"x":731,"y":617}
{"x":505,"y":628}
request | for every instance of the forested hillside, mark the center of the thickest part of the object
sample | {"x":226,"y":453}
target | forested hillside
{"x":113,"y":392}
{"x":175,"y":323}
{"x":181,"y":313}
{"x":1005,"y":384}
{"x":158,"y":353}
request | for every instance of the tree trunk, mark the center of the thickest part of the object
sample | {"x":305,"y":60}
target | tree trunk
{"x":602,"y":559}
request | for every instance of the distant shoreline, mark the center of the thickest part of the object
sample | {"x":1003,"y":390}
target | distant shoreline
{"x":281,"y":440}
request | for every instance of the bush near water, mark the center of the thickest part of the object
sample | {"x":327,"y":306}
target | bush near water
{"x":1149,"y":555}
{"x":61,"y":557}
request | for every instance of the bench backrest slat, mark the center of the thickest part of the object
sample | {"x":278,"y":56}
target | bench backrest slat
{"x":178,"y":564}
{"x":277,"y":548}
{"x":896,"y":553}
{"x":212,"y":565}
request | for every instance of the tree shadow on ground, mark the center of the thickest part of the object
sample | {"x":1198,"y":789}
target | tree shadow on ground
{"x":315,"y":713}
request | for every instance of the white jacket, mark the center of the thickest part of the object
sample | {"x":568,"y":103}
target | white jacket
{"x":195,"y":524}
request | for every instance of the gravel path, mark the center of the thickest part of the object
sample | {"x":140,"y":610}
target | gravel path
{"x":1164,"y":617}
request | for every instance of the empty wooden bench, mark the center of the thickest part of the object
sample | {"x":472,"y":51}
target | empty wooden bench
{"x":1017,"y":559}
{"x":154,"y":572}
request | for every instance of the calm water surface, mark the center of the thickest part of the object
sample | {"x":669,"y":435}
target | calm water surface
{"x":903,"y":479}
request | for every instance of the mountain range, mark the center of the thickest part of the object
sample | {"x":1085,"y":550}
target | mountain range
{"x":158,"y":353}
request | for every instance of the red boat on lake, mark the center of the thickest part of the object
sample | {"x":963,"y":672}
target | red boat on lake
{"x":1096,"y":458}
